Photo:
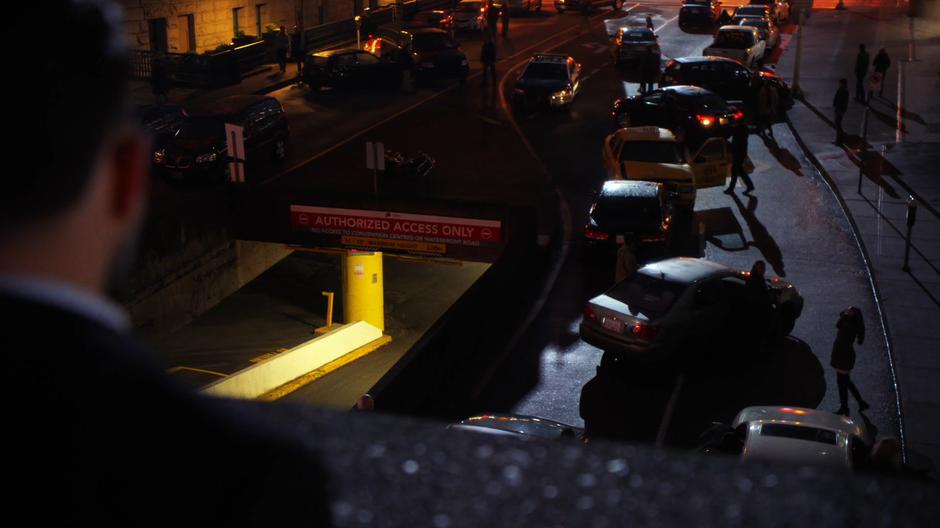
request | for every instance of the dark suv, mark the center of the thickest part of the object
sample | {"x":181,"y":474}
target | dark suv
{"x":726,"y":77}
{"x":699,"y":14}
{"x":198,"y":151}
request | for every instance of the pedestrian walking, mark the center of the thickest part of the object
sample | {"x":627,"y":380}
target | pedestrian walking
{"x":840,"y":103}
{"x":159,"y":80}
{"x":297,"y":50}
{"x":649,"y":71}
{"x":282,"y":47}
{"x":738,"y":157}
{"x":505,"y":16}
{"x":861,"y":70}
{"x":881,"y":64}
{"x":849,"y":329}
{"x":723,"y":19}
{"x":626,"y":261}
{"x":767,"y":102}
{"x":488,"y":58}
{"x":492,"y":18}
{"x":649,"y":23}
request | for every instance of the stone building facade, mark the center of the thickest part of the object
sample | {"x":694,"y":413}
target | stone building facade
{"x":181,"y":26}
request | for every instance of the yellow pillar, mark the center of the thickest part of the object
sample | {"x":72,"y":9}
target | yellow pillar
{"x":363,"y":288}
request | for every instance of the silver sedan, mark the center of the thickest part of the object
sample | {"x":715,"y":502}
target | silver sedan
{"x":678,"y":302}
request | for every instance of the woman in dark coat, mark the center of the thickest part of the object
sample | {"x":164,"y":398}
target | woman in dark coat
{"x":849,"y":329}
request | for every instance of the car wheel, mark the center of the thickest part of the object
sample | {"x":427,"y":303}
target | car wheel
{"x":280,"y":149}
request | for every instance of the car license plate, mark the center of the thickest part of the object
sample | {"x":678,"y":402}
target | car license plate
{"x":613,"y":325}
{"x":620,"y":239}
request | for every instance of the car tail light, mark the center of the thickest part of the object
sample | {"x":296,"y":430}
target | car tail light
{"x":737,"y":115}
{"x":705,"y":120}
{"x":644,"y":331}
{"x":589,"y":313}
{"x":595,"y":235}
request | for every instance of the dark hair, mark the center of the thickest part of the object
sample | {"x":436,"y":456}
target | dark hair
{"x":74,"y":95}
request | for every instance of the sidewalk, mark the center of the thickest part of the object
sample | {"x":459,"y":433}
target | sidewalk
{"x":264,"y":81}
{"x":909,"y":300}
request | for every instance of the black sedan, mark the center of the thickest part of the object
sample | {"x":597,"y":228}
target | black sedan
{"x":692,"y":113}
{"x":350,"y":69}
{"x":699,"y":14}
{"x":548,"y":80}
{"x":726,"y":77}
{"x":636,"y":45}
{"x":435,"y":54}
{"x":640,"y":211}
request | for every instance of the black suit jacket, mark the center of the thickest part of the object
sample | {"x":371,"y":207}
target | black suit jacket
{"x":101,"y":436}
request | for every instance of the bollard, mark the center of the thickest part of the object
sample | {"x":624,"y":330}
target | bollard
{"x":911,"y":218}
{"x":329,"y":308}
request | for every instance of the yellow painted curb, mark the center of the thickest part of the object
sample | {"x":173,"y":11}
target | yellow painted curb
{"x":314,"y":375}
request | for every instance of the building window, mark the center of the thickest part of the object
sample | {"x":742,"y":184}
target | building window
{"x":236,"y":13}
{"x":259,"y":18}
{"x":188,"y":33}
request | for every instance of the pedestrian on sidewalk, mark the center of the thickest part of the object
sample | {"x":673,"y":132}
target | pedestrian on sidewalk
{"x":626,"y":261}
{"x":738,"y":155}
{"x":488,"y":58}
{"x":849,"y":329}
{"x":840,"y":103}
{"x":282,"y":47}
{"x":505,"y":17}
{"x":861,"y":70}
{"x":881,"y":64}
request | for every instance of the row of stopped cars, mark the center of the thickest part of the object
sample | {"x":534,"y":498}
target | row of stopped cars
{"x":749,"y":35}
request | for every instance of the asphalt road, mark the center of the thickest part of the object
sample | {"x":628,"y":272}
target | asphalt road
{"x":488,"y":154}
{"x":792,"y":222}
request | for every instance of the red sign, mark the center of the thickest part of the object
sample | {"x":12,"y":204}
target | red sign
{"x":391,"y":225}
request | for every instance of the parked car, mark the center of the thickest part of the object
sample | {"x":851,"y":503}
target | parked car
{"x":741,"y":43}
{"x":162,"y":121}
{"x":692,"y":113}
{"x":635,"y":45}
{"x":756,"y":11}
{"x":548,"y":80}
{"x":779,"y":9}
{"x":791,"y":435}
{"x":654,"y":154}
{"x":470,"y":15}
{"x":523,"y":6}
{"x":198,"y":151}
{"x":577,"y":5}
{"x":519,"y":426}
{"x":679,"y":303}
{"x":350,"y":69}
{"x":435,"y":54}
{"x":638,"y":210}
{"x":699,"y":14}
{"x":433,"y":18}
{"x":612,"y":26}
{"x":726,"y":77}
{"x":768,"y":30}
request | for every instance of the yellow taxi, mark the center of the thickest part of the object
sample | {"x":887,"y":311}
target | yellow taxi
{"x":654,"y":154}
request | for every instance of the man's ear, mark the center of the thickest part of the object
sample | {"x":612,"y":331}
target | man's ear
{"x":130,"y":175}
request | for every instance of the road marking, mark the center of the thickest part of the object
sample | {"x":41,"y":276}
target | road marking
{"x":670,"y":409}
{"x":174,"y":370}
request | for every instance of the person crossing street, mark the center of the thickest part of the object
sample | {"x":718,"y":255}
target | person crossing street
{"x":881,"y":64}
{"x":861,"y":70}
{"x":738,"y":155}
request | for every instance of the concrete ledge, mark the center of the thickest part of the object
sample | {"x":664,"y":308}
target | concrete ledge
{"x":263,"y":378}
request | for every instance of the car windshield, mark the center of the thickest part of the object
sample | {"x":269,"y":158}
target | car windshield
{"x":201,"y":128}
{"x":469,"y":6}
{"x":733,"y":39}
{"x":433,"y":41}
{"x":546,"y":70}
{"x":799,"y":432}
{"x":652,"y":152}
{"x":648,"y":295}
{"x":638,"y":35}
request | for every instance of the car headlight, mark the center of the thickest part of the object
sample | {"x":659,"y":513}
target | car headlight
{"x":464,"y":62}
{"x":159,"y":156}
{"x":207,"y":158}
{"x":562,"y":96}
